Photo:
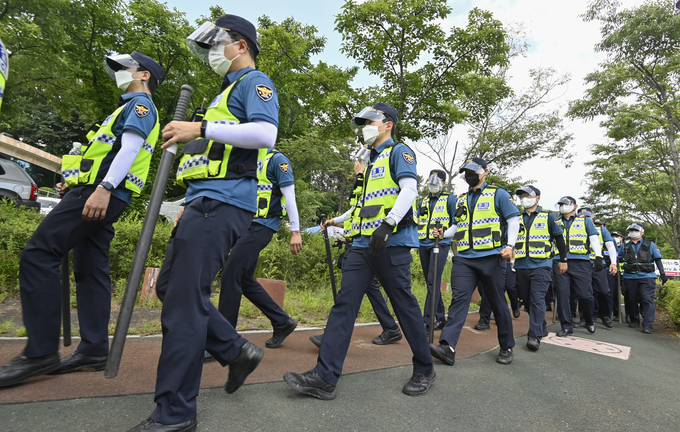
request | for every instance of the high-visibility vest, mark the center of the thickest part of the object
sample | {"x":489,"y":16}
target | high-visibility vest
{"x":205,"y":159}
{"x":533,"y":241}
{"x":103,"y":146}
{"x":484,"y":230}
{"x":440,"y":214}
{"x":266,"y":207}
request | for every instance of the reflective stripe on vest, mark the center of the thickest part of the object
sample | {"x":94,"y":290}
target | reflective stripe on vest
{"x":538,"y":245}
{"x":265,"y":189}
{"x":576,"y":237}
{"x":351,"y":230}
{"x":485,"y":229}
{"x":204,"y":159}
{"x":90,"y":168}
{"x":440,"y":214}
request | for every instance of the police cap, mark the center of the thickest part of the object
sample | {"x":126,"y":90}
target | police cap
{"x":240,"y":25}
{"x":474,"y":164}
{"x":600,"y":222}
{"x":616,"y":234}
{"x":585,"y":212}
{"x":439,"y":173}
{"x":635,"y":227}
{"x":566,"y":200}
{"x":114,"y":63}
{"x":529,"y":190}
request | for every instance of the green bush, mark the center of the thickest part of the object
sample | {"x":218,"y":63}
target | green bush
{"x":16,"y":227}
{"x":670,"y":300}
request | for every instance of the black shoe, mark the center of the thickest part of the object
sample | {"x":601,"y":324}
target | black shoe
{"x":21,"y":368}
{"x":388,"y":336}
{"x":444,"y":353}
{"x":516,"y":312}
{"x":316,"y":340}
{"x":607,"y":322}
{"x":580,"y":324}
{"x":77,"y":362}
{"x":634,"y":325}
{"x":565,"y":333}
{"x":482,"y":325}
{"x":647,"y":330}
{"x":627,"y":320}
{"x":504,"y":356}
{"x":208,"y":358}
{"x":281,"y":333}
{"x":545,"y":333}
{"x":311,"y":384}
{"x":246,"y":362}
{"x":150,"y":425}
{"x":439,"y":325}
{"x":590,"y":327}
{"x":533,"y":343}
{"x":419,"y":384}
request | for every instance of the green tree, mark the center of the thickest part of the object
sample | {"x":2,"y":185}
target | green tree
{"x":636,"y":174}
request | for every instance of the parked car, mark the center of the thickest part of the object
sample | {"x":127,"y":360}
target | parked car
{"x":17,"y":186}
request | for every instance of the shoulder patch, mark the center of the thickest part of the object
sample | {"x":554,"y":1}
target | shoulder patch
{"x":408,"y":158}
{"x":264,"y":92}
{"x":141,"y":110}
{"x":284,"y":167}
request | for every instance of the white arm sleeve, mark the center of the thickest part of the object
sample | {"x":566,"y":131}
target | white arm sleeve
{"x":513,"y":230}
{"x":611,"y":248}
{"x":130,"y":144}
{"x":255,"y":135}
{"x":343,"y":217}
{"x":451,"y":231}
{"x":407,"y":194}
{"x":291,"y":207}
{"x":595,"y":245}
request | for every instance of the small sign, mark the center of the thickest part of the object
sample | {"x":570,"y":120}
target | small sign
{"x":671,"y":267}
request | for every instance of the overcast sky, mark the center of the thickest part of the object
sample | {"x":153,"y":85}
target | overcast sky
{"x":558,"y":38}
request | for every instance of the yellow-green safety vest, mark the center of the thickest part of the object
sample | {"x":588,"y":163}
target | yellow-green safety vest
{"x":604,"y":250}
{"x":440,"y":214}
{"x":204,"y":159}
{"x":4,"y":70}
{"x":347,"y":225}
{"x":89,"y":167}
{"x":265,"y":190}
{"x":485,"y":227}
{"x":576,"y":237}
{"x":538,"y":243}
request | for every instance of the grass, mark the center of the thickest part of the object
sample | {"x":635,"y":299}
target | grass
{"x":6,"y":326}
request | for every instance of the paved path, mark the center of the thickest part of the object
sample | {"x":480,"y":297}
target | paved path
{"x":557,"y":388}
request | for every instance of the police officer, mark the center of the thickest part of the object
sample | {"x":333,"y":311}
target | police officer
{"x":4,"y":70}
{"x":481,"y":213}
{"x":437,"y":206}
{"x":99,"y":184}
{"x":580,"y":237}
{"x":275,"y":199}
{"x":615,"y":279}
{"x":601,"y":285}
{"x":639,"y":257}
{"x":219,"y":168}
{"x":537,"y":228}
{"x":382,"y":248}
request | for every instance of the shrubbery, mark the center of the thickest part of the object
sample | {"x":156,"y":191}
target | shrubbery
{"x":670,"y":300}
{"x":16,"y":227}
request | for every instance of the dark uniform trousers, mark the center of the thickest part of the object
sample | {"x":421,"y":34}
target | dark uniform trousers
{"x":466,"y":274}
{"x":510,"y":287}
{"x":427,"y":262}
{"x":641,"y":293}
{"x":601,"y":293}
{"x":238,"y":277}
{"x":191,"y":324}
{"x":64,"y":229}
{"x":394,"y":273}
{"x":532,"y":286}
{"x":578,"y":277}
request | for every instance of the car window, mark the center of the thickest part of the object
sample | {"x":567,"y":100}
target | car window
{"x":15,"y":172}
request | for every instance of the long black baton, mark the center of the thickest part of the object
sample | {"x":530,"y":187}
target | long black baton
{"x":144,"y":243}
{"x":66,"y":298}
{"x":435,"y":285}
{"x":329,"y":258}
{"x":554,"y":303}
{"x":618,"y":288}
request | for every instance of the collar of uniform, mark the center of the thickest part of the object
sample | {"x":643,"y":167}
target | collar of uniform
{"x":382,"y":146}
{"x":127,"y":96}
{"x":478,"y":190}
{"x":538,"y":209}
{"x":232,"y":77}
{"x":429,"y":195}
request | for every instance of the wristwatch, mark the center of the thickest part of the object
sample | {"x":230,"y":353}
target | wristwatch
{"x":106,"y":185}
{"x":204,"y":125}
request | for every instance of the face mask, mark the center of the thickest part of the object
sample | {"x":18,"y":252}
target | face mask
{"x":566,"y":208}
{"x":528,"y":202}
{"x":433,"y":189}
{"x":472,"y":179}
{"x":635,"y":234}
{"x":370,"y":133}
{"x":124,"y":79}
{"x":218,"y":62}
{"x":618,"y":240}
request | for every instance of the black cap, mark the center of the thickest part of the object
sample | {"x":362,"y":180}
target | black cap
{"x":388,"y":110}
{"x":617,"y":233}
{"x":439,"y":173}
{"x":149,"y":64}
{"x":600,"y":221}
{"x":473,"y":164}
{"x":529,"y":190}
{"x":242,"y":26}
{"x":567,"y":200}
{"x":635,"y":226}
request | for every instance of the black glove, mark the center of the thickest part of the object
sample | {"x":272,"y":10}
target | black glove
{"x":379,"y":240}
{"x":663,"y":278}
{"x":599,"y":265}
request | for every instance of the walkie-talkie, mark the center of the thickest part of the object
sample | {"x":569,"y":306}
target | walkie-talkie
{"x":199,"y":113}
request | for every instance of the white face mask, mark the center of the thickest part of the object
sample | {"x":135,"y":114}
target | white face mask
{"x":566,"y":208}
{"x":124,"y":79}
{"x":618,"y":240}
{"x":370,"y":133}
{"x":218,"y":62}
{"x":434,"y":189}
{"x":528,"y":202}
{"x":635,"y":234}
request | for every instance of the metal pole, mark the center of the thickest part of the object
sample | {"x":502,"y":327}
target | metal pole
{"x":618,"y":288}
{"x":329,"y":258}
{"x":144,"y":243}
{"x":435,"y":285}
{"x":554,"y":303}
{"x":66,"y":297}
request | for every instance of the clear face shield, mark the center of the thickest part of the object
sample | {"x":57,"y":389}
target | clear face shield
{"x":434,"y":184}
{"x":363,"y":156}
{"x":206,"y":36}
{"x":114,"y":63}
{"x":365,"y":116}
